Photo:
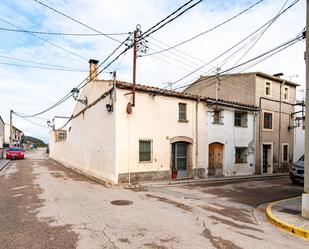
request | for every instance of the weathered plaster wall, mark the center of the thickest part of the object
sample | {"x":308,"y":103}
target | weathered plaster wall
{"x":156,"y":118}
{"x":232,"y":137}
{"x":90,"y":145}
{"x":272,"y":136}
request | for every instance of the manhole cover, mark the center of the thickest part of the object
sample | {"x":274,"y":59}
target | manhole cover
{"x":121,"y":202}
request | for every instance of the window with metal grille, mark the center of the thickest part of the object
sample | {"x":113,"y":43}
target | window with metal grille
{"x":268,"y":120}
{"x":241,"y":154}
{"x":61,"y":135}
{"x":182,"y":114}
{"x":145,"y":150}
{"x":240,"y":119}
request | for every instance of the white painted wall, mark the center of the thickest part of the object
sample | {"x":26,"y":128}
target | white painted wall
{"x":299,"y":142}
{"x":104,"y":144}
{"x":90,"y":145}
{"x":7,"y":133}
{"x":232,"y":137}
{"x":156,"y":118}
{"x":1,"y":133}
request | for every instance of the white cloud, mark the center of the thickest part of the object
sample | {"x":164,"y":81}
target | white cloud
{"x":31,"y":90}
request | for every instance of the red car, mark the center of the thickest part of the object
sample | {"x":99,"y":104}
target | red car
{"x":15,"y":153}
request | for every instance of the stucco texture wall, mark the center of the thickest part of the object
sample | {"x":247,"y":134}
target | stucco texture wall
{"x":90,"y":144}
{"x":231,"y":137}
{"x":156,"y":118}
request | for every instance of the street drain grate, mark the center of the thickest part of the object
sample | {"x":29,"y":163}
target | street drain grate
{"x":121,"y":202}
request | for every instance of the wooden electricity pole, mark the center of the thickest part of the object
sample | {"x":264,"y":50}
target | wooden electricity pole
{"x":134,"y":65}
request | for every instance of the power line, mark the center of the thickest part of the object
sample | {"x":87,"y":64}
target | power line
{"x":268,"y":53}
{"x":75,"y":20}
{"x":57,"y":46}
{"x":30,"y":121}
{"x":170,"y":15}
{"x":235,"y":45}
{"x":44,"y":68}
{"x":144,"y":35}
{"x":87,"y":80}
{"x":39,"y":63}
{"x":263,"y":32}
{"x":62,"y":33}
{"x":205,"y":32}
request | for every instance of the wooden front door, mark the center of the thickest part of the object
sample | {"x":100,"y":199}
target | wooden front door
{"x":215,"y":161}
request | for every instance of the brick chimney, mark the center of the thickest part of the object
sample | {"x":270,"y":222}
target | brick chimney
{"x":93,"y":69}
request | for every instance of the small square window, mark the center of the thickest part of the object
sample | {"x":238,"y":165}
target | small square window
{"x":61,"y":135}
{"x":286,"y":93}
{"x":218,"y":116}
{"x":240,"y":119}
{"x":182,"y":114}
{"x":268,"y":120}
{"x":241,"y":154}
{"x":145,"y":150}
{"x":268,"y":88}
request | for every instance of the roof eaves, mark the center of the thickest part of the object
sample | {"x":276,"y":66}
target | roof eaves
{"x":271,"y":77}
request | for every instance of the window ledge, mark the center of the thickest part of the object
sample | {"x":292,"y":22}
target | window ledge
{"x":241,"y":126}
{"x":183,"y":121}
{"x":266,"y":129}
{"x":217,"y":123}
{"x":141,"y":162}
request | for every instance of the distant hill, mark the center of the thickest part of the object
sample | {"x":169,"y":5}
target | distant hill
{"x":35,"y":141}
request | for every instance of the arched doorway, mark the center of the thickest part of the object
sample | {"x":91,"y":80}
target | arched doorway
{"x":215,"y":159}
{"x":181,"y":157}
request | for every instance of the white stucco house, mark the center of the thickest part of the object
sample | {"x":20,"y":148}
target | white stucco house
{"x":230,"y":133}
{"x":16,"y":136}
{"x":164,"y":134}
{"x":2,"y":125}
{"x":299,"y":137}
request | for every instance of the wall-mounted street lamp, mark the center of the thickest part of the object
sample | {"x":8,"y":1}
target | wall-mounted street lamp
{"x":50,"y":124}
{"x":75,"y":92}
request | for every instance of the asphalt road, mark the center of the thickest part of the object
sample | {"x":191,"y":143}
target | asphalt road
{"x":45,"y":205}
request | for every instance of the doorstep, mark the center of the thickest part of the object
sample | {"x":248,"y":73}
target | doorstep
{"x":210,"y":179}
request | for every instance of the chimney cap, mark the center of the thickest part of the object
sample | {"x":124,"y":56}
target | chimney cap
{"x":278,"y":75}
{"x":92,"y":61}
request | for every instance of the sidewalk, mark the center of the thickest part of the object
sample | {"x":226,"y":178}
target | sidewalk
{"x":201,"y":180}
{"x":3,"y":163}
{"x":286,"y":215}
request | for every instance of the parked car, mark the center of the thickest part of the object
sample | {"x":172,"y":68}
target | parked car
{"x":297,"y":170}
{"x":15,"y":153}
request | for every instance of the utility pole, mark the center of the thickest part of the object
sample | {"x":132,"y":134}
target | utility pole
{"x":217,"y":83}
{"x":134,"y":63}
{"x":11,"y":128}
{"x":305,"y":196}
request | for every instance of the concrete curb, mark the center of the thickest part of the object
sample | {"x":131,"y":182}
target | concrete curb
{"x":283,"y":225}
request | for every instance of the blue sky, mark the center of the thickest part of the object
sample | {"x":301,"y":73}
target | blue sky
{"x":29,"y":90}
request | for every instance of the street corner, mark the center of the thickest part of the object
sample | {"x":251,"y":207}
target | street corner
{"x":286,"y":215}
